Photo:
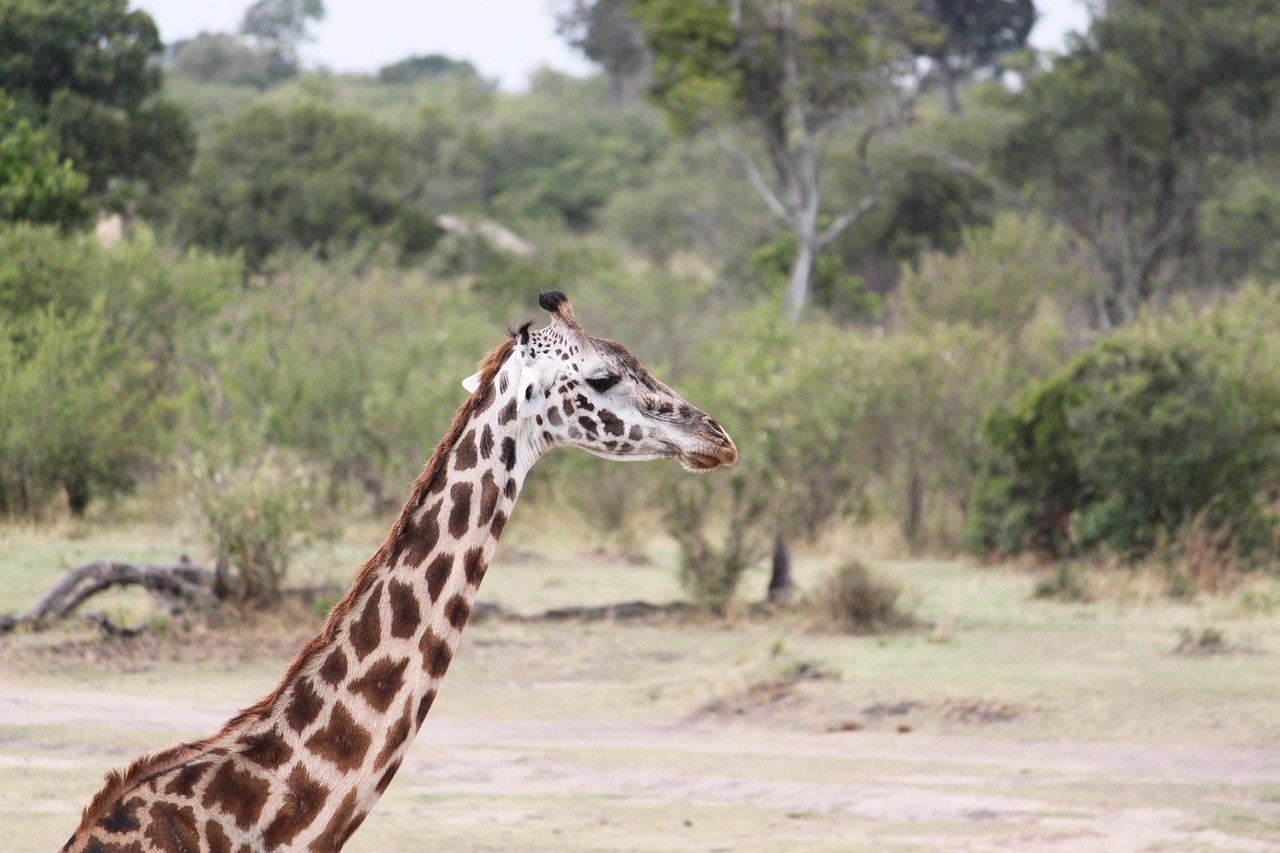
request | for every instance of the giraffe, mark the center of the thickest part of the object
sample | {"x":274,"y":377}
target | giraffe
{"x":299,"y":770}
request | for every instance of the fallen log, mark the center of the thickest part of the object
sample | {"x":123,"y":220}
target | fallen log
{"x":174,"y":588}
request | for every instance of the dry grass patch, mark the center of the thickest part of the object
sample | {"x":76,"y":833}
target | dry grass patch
{"x":856,"y":600}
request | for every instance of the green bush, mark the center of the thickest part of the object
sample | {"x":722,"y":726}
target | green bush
{"x":97,"y":350}
{"x":256,"y":517}
{"x":1141,"y":434}
{"x":709,"y":572}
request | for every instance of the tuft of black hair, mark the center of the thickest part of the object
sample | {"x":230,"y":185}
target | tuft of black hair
{"x":521,"y":334}
{"x":551,"y":300}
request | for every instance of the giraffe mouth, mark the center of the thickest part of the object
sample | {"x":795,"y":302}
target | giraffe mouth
{"x":708,"y":457}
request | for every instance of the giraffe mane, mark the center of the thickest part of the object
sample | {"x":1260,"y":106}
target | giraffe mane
{"x":118,"y":783}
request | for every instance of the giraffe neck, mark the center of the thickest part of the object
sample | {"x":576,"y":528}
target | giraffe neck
{"x":301,"y":769}
{"x":355,"y":704}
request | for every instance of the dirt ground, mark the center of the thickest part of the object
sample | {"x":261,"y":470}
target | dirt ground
{"x":1002,"y":722}
{"x":489,"y":784}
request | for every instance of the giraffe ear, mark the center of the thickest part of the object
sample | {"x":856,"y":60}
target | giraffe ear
{"x":532,"y":391}
{"x":471,"y":383}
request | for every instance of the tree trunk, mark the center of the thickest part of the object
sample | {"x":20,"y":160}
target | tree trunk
{"x":781,"y":587}
{"x":798,"y":284}
{"x":915,"y":507}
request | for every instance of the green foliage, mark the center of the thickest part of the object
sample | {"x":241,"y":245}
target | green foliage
{"x":854,"y":600}
{"x":224,"y":58}
{"x":76,"y":412}
{"x":834,"y":289}
{"x":999,"y":276}
{"x":569,"y":166}
{"x":1126,"y":136}
{"x":95,"y":355}
{"x":604,"y":32}
{"x":256,"y":517}
{"x":1138,"y":437}
{"x":431,"y":66}
{"x":366,"y":413}
{"x":35,"y":186}
{"x":83,"y":71}
{"x":710,"y":573}
{"x":303,"y":175}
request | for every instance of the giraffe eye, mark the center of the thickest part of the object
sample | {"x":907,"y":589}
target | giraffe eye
{"x":600,"y":384}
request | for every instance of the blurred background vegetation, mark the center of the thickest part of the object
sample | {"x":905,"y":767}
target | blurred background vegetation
{"x":1005,"y":301}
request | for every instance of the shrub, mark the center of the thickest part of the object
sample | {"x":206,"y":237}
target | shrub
{"x":256,"y":517}
{"x":1157,"y":427}
{"x":711,"y":573}
{"x":855,"y":601}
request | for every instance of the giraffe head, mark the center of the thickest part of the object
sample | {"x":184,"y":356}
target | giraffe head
{"x":576,"y":390}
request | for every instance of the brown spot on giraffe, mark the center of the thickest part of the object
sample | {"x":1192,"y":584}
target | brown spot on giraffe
{"x":397,"y":736}
{"x":173,"y":827}
{"x":124,"y":818}
{"x":388,"y":776}
{"x":499,"y":522}
{"x":611,"y":423}
{"x":304,"y":705}
{"x":508,"y":413}
{"x":381,"y":683}
{"x":457,"y":611}
{"x":304,"y":801}
{"x":509,"y":453}
{"x":465,"y":456}
{"x":341,"y":741}
{"x":636,"y":433}
{"x":416,"y":541}
{"x":217,"y":838}
{"x":486,"y":442}
{"x":424,"y":706}
{"x":334,"y":668}
{"x":474,"y":565}
{"x":460,"y":514}
{"x":435,"y":654}
{"x":237,"y":792}
{"x":488,"y":499}
{"x":406,"y":614}
{"x":266,"y":749}
{"x":184,"y":781}
{"x":336,"y":830}
{"x":438,"y":574}
{"x":366,"y":631}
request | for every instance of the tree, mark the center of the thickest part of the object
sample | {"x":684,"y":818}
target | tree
{"x":95,"y":346}
{"x":1141,"y":124}
{"x":431,"y":66}
{"x":83,"y":72}
{"x":604,"y":32}
{"x":35,"y":186}
{"x":278,"y":27}
{"x":798,"y":72}
{"x":974,"y":35}
{"x":222,"y":58}
{"x":306,"y":176}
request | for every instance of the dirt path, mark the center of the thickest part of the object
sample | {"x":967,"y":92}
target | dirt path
{"x":752,"y":789}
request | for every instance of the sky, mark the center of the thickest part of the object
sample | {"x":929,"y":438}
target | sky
{"x":504,"y":39}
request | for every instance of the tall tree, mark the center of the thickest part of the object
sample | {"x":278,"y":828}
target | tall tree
{"x":796,"y":72}
{"x":974,"y":34}
{"x":83,"y":71}
{"x":1143,"y":121}
{"x":35,"y":186}
{"x":604,"y":32}
{"x":279,"y":27}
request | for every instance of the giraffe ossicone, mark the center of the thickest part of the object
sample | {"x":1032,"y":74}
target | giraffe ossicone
{"x":300,"y":770}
